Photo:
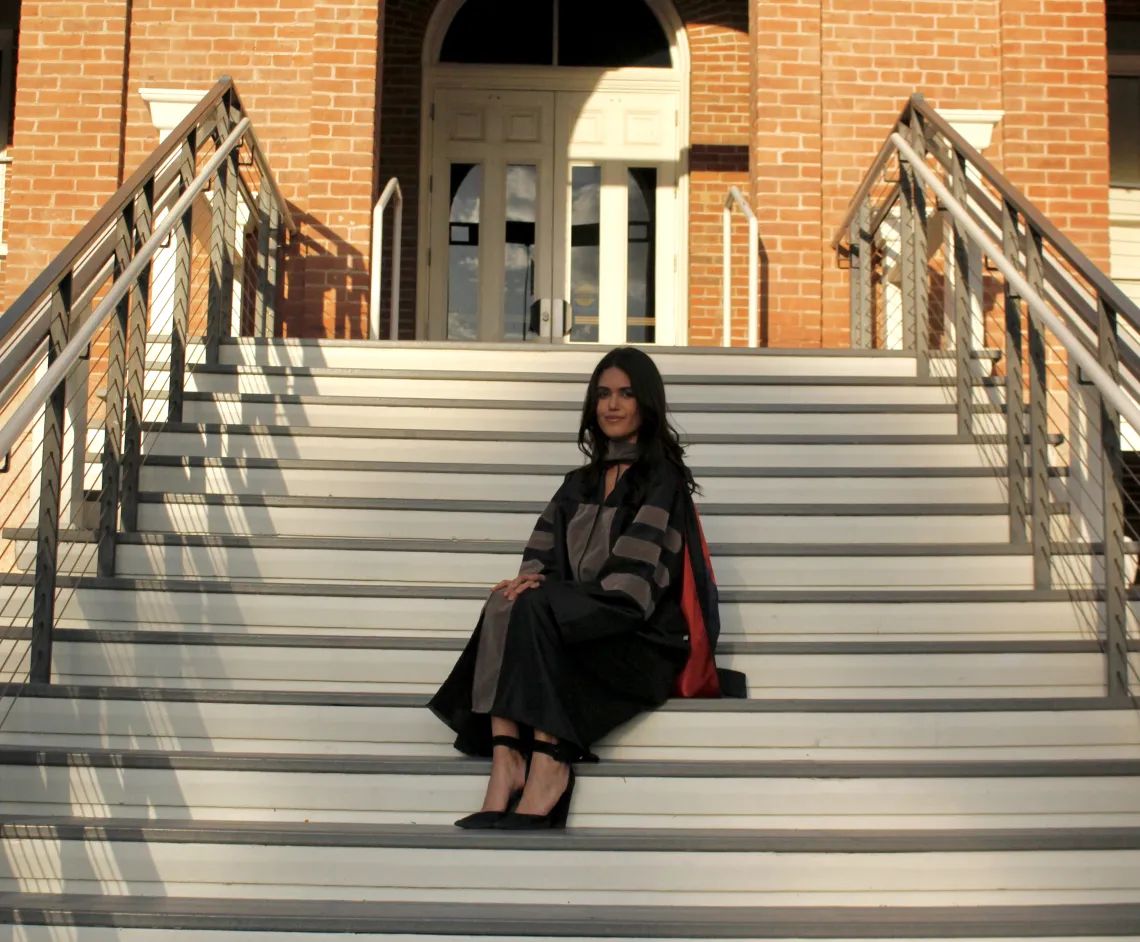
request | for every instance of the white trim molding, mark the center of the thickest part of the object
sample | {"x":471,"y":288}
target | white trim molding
{"x":168,"y":106}
{"x":976,"y":125}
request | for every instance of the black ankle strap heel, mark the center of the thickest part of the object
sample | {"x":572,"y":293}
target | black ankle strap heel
{"x":483,"y":820}
{"x":555,"y":819}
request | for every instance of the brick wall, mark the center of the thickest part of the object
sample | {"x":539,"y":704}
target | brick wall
{"x":306,"y":70}
{"x":831,"y":76}
{"x":719,"y":116}
{"x":807,"y":99}
{"x":64,"y":58}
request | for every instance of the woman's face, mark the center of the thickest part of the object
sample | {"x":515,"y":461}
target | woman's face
{"x":618,"y":413}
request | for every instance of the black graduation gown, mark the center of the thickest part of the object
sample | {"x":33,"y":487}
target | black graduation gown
{"x":603,"y":639}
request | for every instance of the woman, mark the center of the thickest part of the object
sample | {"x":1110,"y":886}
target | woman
{"x":596,"y":627}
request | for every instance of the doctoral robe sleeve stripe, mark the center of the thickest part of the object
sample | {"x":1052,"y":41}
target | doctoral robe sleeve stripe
{"x":645,"y":556}
{"x":539,"y":555}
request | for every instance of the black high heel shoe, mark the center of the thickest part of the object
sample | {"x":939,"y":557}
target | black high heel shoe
{"x":482,"y":820}
{"x":555,"y":819}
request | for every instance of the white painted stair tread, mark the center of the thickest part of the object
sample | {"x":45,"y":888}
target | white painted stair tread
{"x":780,"y":676}
{"x":333,"y":521}
{"x":673,"y":733}
{"x":528,"y":359}
{"x":329,"y":413}
{"x":564,"y":455}
{"x":578,"y":877}
{"x":850,"y":619}
{"x":92,"y":934}
{"x":403,"y":567}
{"x":429,"y":483}
{"x":600,"y":799}
{"x":535,"y":392}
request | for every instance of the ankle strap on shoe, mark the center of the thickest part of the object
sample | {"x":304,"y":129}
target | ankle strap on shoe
{"x":511,"y":742}
{"x":556,"y":750}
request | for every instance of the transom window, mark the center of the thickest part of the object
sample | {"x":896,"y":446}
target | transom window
{"x":600,"y":34}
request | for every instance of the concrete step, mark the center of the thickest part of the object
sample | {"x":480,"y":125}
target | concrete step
{"x":560,"y":449}
{"x":775,"y":671}
{"x":532,"y":388}
{"x":897,"y":796}
{"x":786,"y":418}
{"x":324,"y":921}
{"x":653,"y":868}
{"x":342,"y":723}
{"x":559,"y":358}
{"x":483,"y":563}
{"x":458,"y":520}
{"x":339,"y":478}
{"x":438,"y":612}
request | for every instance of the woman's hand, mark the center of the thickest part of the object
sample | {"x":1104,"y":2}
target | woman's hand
{"x":513,"y":588}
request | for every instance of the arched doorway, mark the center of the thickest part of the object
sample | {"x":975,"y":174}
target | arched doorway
{"x":553,"y":153}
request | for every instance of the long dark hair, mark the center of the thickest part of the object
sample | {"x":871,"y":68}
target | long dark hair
{"x":656,"y":438}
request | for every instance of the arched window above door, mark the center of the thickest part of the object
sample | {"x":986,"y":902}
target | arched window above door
{"x":600,"y":34}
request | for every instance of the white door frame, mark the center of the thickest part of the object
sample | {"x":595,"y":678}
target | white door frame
{"x":674,"y":81}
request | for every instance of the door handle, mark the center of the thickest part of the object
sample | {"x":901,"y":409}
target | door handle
{"x":548,"y":320}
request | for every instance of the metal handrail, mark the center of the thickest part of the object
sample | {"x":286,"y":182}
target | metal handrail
{"x":31,"y":302}
{"x":1103,"y":285}
{"x":32,"y":405}
{"x":392,"y":189}
{"x":1101,"y":378}
{"x":736,"y":198}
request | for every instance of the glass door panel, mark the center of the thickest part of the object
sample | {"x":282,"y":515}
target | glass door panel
{"x":585,"y":252}
{"x":463,"y":251}
{"x":519,"y":273}
{"x":641,"y":256}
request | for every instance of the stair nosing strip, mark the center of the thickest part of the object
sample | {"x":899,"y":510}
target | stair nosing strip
{"x":432,"y":644}
{"x":536,"y":507}
{"x":604,"y":840}
{"x":521,"y":921}
{"x":418,"y":701}
{"x":557,"y":471}
{"x":516,"y":547}
{"x":567,"y":921}
{"x":741,"y":596}
{"x":327,"y":431}
{"x":506,"y":405}
{"x":58,"y":757}
{"x":508,"y":376}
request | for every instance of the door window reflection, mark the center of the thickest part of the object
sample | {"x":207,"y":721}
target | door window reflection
{"x":641,"y":256}
{"x":518,"y":289}
{"x":463,"y":252}
{"x":585,"y":232}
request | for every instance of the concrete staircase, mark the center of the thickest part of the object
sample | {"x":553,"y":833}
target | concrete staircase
{"x":235,"y":746}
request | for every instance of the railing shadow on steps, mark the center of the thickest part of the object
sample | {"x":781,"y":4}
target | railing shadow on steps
{"x":1038,"y":350}
{"x":93,"y":359}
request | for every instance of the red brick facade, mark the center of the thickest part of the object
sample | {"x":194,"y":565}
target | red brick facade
{"x":789,"y":100}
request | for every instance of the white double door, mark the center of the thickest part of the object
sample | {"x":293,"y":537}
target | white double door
{"x":553,"y":216}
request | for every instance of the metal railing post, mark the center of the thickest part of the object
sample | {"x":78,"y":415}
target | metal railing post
{"x":51,"y":481}
{"x":918,"y":255}
{"x":726,"y":277}
{"x":264,"y":212}
{"x":272,"y":272}
{"x":180,"y":328}
{"x":907,"y":187}
{"x":861,"y":279}
{"x":1015,"y":413}
{"x":1038,"y":421}
{"x":962,"y":325}
{"x":223,"y":225}
{"x":1112,"y":476}
{"x":136,"y":365}
{"x":118,"y":328}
